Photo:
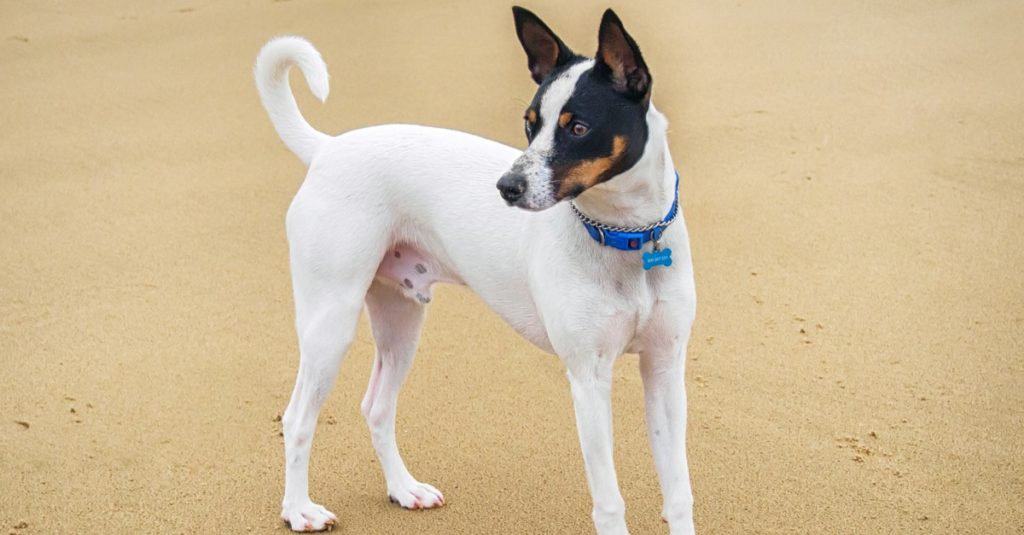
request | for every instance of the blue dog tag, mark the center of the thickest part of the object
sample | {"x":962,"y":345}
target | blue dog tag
{"x":658,"y":258}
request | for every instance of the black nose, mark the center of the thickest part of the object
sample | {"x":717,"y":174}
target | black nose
{"x":512,"y":187}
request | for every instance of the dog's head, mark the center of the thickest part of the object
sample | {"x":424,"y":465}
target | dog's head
{"x":587,"y":121}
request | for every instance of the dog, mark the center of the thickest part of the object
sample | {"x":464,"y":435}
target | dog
{"x":582,"y":250}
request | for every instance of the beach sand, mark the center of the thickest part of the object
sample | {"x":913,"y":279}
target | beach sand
{"x":853,"y":183}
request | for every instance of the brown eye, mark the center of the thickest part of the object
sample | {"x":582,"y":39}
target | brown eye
{"x":578,"y":129}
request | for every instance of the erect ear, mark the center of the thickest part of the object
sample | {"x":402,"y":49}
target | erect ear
{"x":544,"y":50}
{"x":619,"y":58}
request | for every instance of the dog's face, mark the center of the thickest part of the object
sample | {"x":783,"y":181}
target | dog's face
{"x":586,"y":123}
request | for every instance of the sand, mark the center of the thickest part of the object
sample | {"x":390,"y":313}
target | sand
{"x":853,"y":181}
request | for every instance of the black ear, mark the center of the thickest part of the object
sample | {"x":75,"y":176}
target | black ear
{"x":544,"y":50}
{"x":619,"y":58}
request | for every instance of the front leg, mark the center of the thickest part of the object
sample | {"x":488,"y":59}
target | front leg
{"x":663,"y":371}
{"x":590,"y":381}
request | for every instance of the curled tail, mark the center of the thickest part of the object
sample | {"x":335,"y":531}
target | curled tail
{"x":272,"y":65}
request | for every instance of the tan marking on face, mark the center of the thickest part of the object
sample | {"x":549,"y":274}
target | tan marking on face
{"x":587,"y":173}
{"x":564,"y":119}
{"x":531,"y":116}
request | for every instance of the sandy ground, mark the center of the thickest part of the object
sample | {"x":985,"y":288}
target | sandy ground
{"x":853,"y":180}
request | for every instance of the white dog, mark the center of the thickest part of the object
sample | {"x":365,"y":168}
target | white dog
{"x":387,"y":211}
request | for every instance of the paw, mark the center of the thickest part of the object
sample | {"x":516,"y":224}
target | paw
{"x":308,"y":517}
{"x":415,"y":495}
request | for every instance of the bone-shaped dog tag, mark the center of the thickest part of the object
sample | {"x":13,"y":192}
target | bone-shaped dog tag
{"x":662,"y":257}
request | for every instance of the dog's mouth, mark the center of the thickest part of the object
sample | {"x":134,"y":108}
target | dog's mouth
{"x":533,"y":207}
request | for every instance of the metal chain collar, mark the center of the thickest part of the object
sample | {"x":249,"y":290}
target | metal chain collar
{"x":588,"y":220}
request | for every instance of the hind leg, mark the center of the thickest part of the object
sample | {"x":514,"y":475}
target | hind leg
{"x":329,"y":289}
{"x":322,"y":345}
{"x":325,"y":332}
{"x":396,"y":322}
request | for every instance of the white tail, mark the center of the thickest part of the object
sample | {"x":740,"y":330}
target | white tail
{"x":272,"y":65}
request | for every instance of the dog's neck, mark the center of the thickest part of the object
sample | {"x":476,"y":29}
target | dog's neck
{"x":644,"y":193}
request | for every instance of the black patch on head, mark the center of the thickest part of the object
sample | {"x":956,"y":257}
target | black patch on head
{"x":608,"y":114}
{"x":538,"y":97}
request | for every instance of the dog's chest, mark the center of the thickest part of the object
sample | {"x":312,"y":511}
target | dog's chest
{"x":608,"y":311}
{"x":635,"y":296}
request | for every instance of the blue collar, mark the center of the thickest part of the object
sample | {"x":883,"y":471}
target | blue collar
{"x":624,"y":238}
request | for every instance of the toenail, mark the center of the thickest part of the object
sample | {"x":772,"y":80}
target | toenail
{"x":407,"y":283}
{"x":420,"y":268}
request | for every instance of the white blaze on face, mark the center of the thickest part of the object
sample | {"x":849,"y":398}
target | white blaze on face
{"x":534,"y":163}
